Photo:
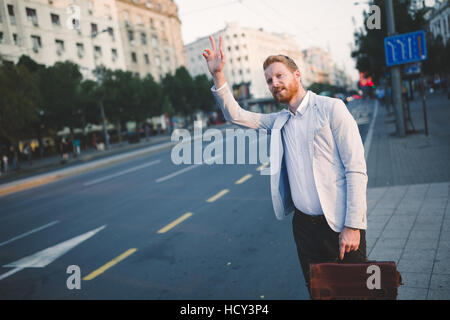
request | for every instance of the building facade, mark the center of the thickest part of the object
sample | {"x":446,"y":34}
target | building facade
{"x":438,"y":21}
{"x":245,"y":50}
{"x":320,"y":65}
{"x":93,"y":33}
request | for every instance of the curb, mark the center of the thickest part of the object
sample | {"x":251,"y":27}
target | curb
{"x":28,"y":183}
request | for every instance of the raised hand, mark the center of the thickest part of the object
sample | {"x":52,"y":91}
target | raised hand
{"x":215,"y":59}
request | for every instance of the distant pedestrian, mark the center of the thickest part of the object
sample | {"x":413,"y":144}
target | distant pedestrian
{"x":13,"y":156}
{"x":28,"y":154}
{"x":5,"y":163}
{"x":94,"y":141}
{"x":64,"y":150}
{"x":76,"y":145}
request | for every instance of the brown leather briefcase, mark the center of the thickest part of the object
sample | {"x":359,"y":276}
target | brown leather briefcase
{"x":360,"y":281}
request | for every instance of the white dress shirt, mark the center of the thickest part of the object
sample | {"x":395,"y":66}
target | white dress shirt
{"x":298,"y":160}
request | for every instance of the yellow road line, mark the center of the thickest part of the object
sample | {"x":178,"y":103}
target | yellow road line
{"x":243,"y":179}
{"x":174,"y":223}
{"x":27,"y":185}
{"x":217,"y":196}
{"x":110,"y":264}
{"x":262,"y":166}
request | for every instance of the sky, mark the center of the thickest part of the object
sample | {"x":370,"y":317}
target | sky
{"x":329,"y":24}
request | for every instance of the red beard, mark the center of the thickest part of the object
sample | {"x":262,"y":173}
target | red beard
{"x":285,"y":94}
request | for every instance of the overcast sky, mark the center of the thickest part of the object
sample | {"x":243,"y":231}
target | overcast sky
{"x":324,"y":23}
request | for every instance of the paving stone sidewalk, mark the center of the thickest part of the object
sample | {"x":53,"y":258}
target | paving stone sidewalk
{"x":408,"y":199}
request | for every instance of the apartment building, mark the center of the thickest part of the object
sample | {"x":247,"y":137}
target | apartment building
{"x":93,"y":33}
{"x":151,"y":33}
{"x":245,"y":50}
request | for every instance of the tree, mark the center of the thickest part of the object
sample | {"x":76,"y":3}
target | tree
{"x":204,"y":100}
{"x":369,"y":52}
{"x":59,"y":87}
{"x":18,"y":108}
{"x":152,"y":96}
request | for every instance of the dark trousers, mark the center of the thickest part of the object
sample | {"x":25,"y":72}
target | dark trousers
{"x":317,"y":242}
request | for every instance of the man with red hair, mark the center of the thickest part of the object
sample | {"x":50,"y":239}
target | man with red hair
{"x":322,"y":176}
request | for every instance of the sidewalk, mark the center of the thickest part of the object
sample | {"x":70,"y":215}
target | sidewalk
{"x":48,"y":164}
{"x":408,"y":199}
{"x":50,"y":169}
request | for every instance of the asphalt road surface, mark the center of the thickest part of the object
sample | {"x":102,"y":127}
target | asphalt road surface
{"x":149,"y":229}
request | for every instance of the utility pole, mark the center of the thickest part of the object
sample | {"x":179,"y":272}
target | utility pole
{"x":396,"y":77}
{"x":102,"y":111}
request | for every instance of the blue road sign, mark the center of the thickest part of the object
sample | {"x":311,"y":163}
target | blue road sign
{"x":405,"y":48}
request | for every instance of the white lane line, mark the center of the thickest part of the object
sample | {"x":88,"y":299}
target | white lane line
{"x":44,"y":257}
{"x":207,"y":161}
{"x":9,"y":273}
{"x":176,"y":173}
{"x":121,"y":173}
{"x":368,"y":140}
{"x":28,"y":233}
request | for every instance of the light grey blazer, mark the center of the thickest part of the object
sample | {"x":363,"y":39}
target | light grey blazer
{"x":337,"y":152}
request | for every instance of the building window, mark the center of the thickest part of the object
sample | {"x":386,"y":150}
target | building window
{"x":158,"y":61}
{"x":143,"y":38}
{"x":111,"y":33}
{"x":80,"y":50}
{"x":147,"y":60}
{"x":131,"y":36}
{"x":148,"y":3}
{"x":32,"y":16}
{"x":152,"y":23}
{"x":126,"y":17}
{"x":15,"y":39}
{"x":1,"y":37}
{"x":12,"y":16}
{"x":155,"y":41}
{"x":90,"y":7}
{"x":94,"y":29}
{"x":97,"y":52}
{"x":108,"y":11}
{"x":114,"y":54}
{"x":36,"y":43}
{"x":159,"y":7}
{"x":59,"y":47}
{"x":139,"y":20}
{"x":134,"y":57}
{"x":55,"y":19}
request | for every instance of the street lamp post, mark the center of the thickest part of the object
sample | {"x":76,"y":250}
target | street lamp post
{"x":396,"y":77}
{"x":102,"y":111}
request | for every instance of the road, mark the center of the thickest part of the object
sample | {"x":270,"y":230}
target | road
{"x":149,"y":229}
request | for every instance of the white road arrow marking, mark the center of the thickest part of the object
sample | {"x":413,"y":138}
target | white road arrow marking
{"x":44,"y":257}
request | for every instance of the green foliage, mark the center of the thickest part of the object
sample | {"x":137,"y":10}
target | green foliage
{"x":18,"y":110}
{"x":59,"y":91}
{"x":37,"y":100}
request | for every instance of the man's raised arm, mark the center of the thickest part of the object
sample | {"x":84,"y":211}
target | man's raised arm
{"x":215,"y":60}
